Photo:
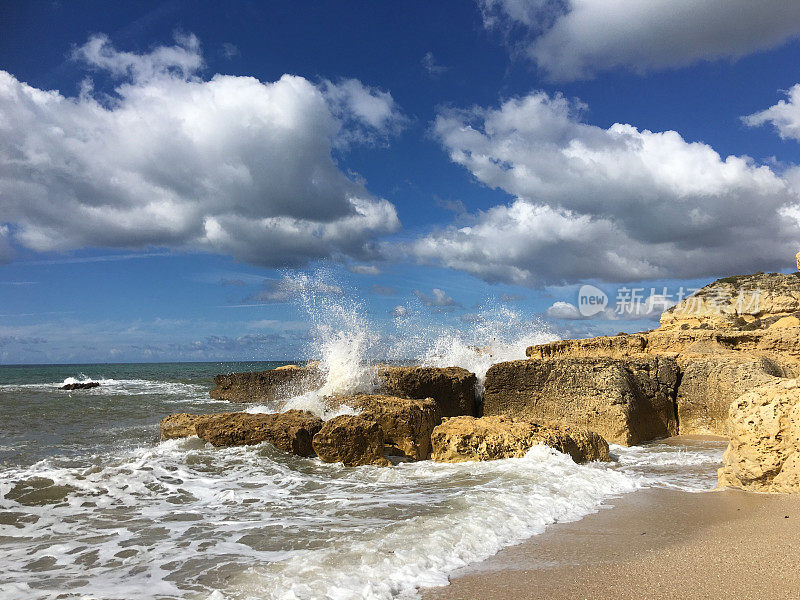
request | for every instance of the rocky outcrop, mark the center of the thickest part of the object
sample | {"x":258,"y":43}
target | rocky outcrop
{"x":407,"y":423}
{"x":291,"y":431}
{"x":764,"y":450}
{"x":353,"y":440}
{"x":626,"y":401}
{"x":84,"y":385}
{"x":266,"y":386}
{"x":453,"y":388}
{"x":179,"y":425}
{"x":738,"y":302}
{"x":711,"y":382}
{"x":463,"y":439}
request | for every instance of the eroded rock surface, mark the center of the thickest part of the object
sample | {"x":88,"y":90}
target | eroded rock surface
{"x":453,"y":388}
{"x":764,"y":450}
{"x":179,"y":425}
{"x":407,"y":423}
{"x":84,"y":385}
{"x":266,"y":386}
{"x":353,"y":440}
{"x":626,"y":401}
{"x":291,"y":431}
{"x":463,"y":439}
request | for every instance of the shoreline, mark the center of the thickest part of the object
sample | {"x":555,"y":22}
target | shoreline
{"x":652,"y":543}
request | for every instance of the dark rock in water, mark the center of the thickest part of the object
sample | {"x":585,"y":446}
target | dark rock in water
{"x":353,"y":440}
{"x":291,"y":431}
{"x":407,"y":423}
{"x":626,"y":401}
{"x":86,"y":385}
{"x":266,"y":386}
{"x":453,"y":388}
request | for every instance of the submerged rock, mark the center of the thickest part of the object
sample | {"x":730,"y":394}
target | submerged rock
{"x":407,"y":423}
{"x":764,"y":450}
{"x":453,"y":388}
{"x":353,"y":440}
{"x":462,"y":439}
{"x":85,"y":385}
{"x":291,"y":431}
{"x":266,"y":386}
{"x":627,"y":401}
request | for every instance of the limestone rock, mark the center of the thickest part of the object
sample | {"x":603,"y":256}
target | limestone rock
{"x":797,"y":259}
{"x":179,"y":425}
{"x":463,"y":439}
{"x":265,"y":386}
{"x":616,"y":346}
{"x":453,"y":388}
{"x":407,"y":423}
{"x":764,"y":450}
{"x":353,"y":440}
{"x":291,"y":431}
{"x":626,"y":401}
{"x":737,"y":302}
{"x":710,"y":383}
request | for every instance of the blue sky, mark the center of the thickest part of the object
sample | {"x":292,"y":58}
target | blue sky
{"x":169,"y":171}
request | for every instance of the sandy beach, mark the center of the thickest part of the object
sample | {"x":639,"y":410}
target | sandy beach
{"x":655,"y":543}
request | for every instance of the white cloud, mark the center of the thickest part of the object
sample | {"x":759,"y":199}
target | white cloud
{"x":230,"y":165}
{"x":229,"y":50}
{"x":370,"y":115}
{"x":783,"y":116}
{"x":615,"y":204}
{"x":574,"y":39}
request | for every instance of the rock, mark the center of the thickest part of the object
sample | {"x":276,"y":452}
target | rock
{"x":710,"y":383}
{"x":266,"y":386}
{"x":764,"y":450}
{"x":737,"y":302}
{"x":407,"y":423}
{"x":617,"y":346}
{"x":291,"y":431}
{"x":86,"y":385}
{"x":463,"y":439}
{"x":179,"y":425}
{"x":797,"y":260}
{"x":453,"y":388}
{"x":626,"y":401}
{"x":353,"y":440}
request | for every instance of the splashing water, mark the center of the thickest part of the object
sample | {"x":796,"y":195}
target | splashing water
{"x":497,"y":334}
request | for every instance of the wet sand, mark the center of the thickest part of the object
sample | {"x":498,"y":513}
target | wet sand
{"x":654,"y":543}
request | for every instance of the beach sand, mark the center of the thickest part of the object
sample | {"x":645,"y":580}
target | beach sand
{"x":655,"y":543}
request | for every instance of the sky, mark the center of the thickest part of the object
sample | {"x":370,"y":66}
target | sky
{"x":201,"y":180}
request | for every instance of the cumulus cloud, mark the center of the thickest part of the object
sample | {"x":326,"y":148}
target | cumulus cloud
{"x":616,"y":204}
{"x":290,"y":287}
{"x":229,"y":164}
{"x":574,"y":39}
{"x":783,"y":116}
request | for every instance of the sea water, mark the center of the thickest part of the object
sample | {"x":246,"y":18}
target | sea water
{"x":92,"y":505}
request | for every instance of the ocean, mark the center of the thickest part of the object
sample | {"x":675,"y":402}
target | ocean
{"x":92,"y":505}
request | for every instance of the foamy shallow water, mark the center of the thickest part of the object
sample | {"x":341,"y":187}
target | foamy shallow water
{"x":91,"y":506}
